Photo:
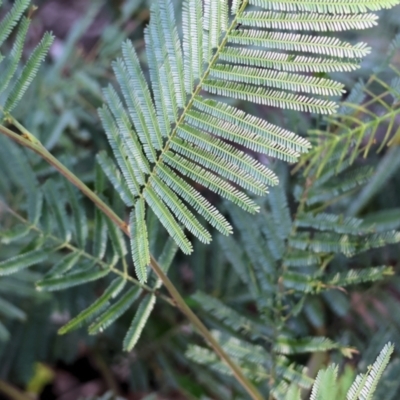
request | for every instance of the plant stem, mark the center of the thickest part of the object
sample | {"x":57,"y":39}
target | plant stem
{"x":31,"y":142}
{"x":181,"y":304}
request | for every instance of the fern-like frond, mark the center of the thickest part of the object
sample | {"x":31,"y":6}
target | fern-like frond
{"x":168,"y":128}
{"x":15,"y":55}
{"x":29,"y":72}
{"x":367,"y":389}
{"x":324,"y":45}
{"x":326,"y":6}
{"x":325,"y":242}
{"x":352,"y":276}
{"x":325,"y":384}
{"x":307,"y":21}
{"x":21,"y":82}
{"x":12,"y":18}
{"x":285,"y":62}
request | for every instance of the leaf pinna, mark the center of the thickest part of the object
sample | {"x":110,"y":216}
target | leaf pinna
{"x":20,"y":82}
{"x":167,"y":130}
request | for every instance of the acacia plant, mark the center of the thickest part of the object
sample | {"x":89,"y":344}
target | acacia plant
{"x":173,"y":132}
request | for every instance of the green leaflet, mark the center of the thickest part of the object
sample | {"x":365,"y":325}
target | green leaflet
{"x":253,"y":359}
{"x":139,"y":241}
{"x":165,"y":260}
{"x":139,"y":321}
{"x":115,"y":311}
{"x":70,"y":280}
{"x":95,"y":308}
{"x":79,"y":216}
{"x":22,"y":261}
{"x":214,"y":24}
{"x":117,"y":239}
{"x":64,"y":265}
{"x":100,"y":225}
{"x":57,"y":206}
{"x":18,"y":232}
{"x":269,"y":97}
{"x":100,"y":235}
{"x":9,"y":310}
{"x":114,"y":176}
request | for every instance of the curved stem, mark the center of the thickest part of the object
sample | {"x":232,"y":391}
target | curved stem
{"x":31,"y":142}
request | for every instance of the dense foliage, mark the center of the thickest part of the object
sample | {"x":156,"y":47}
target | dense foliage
{"x":292,"y":280}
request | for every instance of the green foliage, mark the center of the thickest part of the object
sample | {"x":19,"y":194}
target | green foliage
{"x":284,"y":266}
{"x":327,"y":386}
{"x":267,"y":293}
{"x":60,"y":239}
{"x":182,"y":132}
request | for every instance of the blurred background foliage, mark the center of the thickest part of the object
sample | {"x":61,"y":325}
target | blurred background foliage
{"x":60,"y":109}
